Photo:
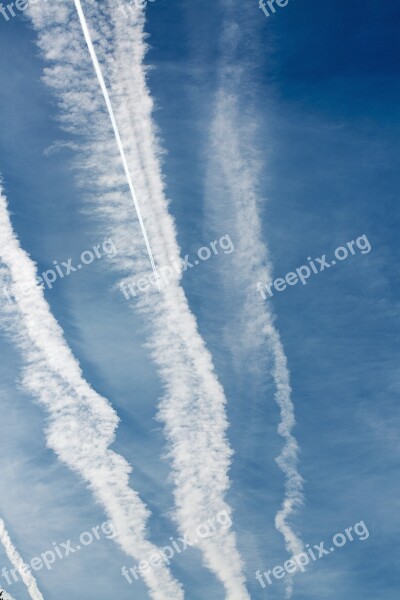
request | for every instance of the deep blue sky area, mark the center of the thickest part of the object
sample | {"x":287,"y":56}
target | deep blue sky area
{"x":323,"y":85}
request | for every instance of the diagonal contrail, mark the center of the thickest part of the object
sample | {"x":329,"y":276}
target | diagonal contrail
{"x":234,"y":166}
{"x":81,"y":423}
{"x":258,"y":334}
{"x":193,"y":407}
{"x":18,"y":564}
{"x":106,"y":95}
{"x":6,"y":595}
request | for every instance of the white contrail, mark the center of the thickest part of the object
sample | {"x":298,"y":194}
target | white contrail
{"x":103,"y":87}
{"x":234,"y":168}
{"x":6,"y":595}
{"x":193,"y":408}
{"x":18,"y":564}
{"x":259,"y":332}
{"x":81,"y":424}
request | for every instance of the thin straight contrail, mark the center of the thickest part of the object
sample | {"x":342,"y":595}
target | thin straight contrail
{"x":106,"y":95}
{"x":18,"y":564}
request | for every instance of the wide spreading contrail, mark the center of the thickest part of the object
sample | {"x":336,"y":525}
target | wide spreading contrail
{"x":193,"y":408}
{"x":18,"y":564}
{"x":234,"y":169}
{"x":104,"y":90}
{"x":81,"y":424}
{"x":259,"y":332}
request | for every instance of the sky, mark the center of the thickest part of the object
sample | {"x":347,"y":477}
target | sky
{"x":275,"y":138}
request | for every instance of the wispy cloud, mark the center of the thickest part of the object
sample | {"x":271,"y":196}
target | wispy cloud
{"x":193,"y":408}
{"x":233,"y":177}
{"x":117,"y":135}
{"x":18,"y":564}
{"x":81,"y":424}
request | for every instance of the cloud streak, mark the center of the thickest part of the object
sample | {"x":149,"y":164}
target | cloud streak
{"x":193,"y":406}
{"x":233,"y":178}
{"x":6,"y":595}
{"x":81,"y":424}
{"x":106,"y":96}
{"x":18,"y":564}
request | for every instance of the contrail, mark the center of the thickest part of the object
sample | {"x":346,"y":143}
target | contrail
{"x":103,"y":87}
{"x":193,"y":408}
{"x":18,"y":564}
{"x":81,"y":424}
{"x":259,"y":332}
{"x":234,"y":168}
{"x":6,"y":595}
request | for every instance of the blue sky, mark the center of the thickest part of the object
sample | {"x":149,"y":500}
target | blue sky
{"x":320,"y":83}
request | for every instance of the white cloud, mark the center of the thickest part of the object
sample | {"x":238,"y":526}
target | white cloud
{"x":18,"y":564}
{"x":193,"y":408}
{"x":81,"y":424}
{"x":234,"y":173}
